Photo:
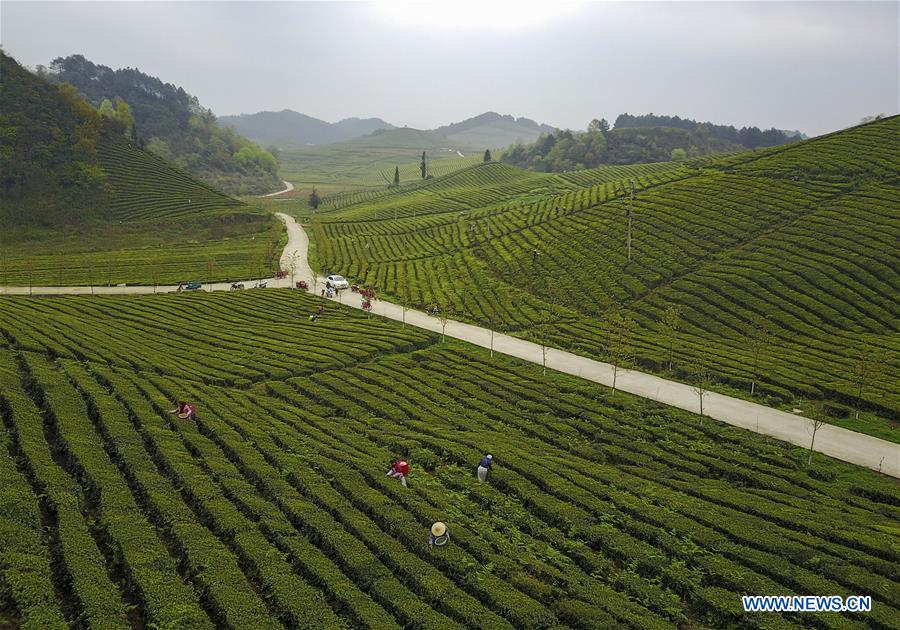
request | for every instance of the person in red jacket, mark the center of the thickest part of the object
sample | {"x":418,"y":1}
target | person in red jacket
{"x":399,"y":470}
{"x":185,"y":410}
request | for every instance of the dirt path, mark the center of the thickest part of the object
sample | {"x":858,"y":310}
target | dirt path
{"x":288,"y":187}
{"x":843,"y":444}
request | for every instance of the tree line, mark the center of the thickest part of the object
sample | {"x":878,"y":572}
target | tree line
{"x":634,"y":140}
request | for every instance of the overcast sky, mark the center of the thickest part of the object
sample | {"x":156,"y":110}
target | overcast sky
{"x":813,"y":66}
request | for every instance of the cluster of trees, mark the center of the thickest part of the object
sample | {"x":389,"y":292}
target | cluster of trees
{"x":172,"y":124}
{"x":49,"y":170}
{"x":747,"y":137}
{"x":633,"y":140}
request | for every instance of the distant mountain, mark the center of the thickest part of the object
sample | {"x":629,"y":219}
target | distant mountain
{"x":290,"y":128}
{"x":492,"y":130}
{"x":174,"y":125}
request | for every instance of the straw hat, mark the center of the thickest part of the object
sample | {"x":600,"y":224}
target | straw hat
{"x":438,"y":529}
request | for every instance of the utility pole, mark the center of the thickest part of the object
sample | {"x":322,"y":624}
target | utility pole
{"x":630,"y":211}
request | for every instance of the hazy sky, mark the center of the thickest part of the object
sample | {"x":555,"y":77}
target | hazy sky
{"x":813,"y":66}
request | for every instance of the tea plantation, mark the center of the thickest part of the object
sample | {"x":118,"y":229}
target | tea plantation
{"x":273,"y":510}
{"x":781,"y":265}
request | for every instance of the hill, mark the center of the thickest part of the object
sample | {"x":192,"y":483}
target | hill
{"x":493,"y":131}
{"x":747,"y":137}
{"x":635,"y":140}
{"x":272,"y":508}
{"x":173,"y":124}
{"x":369,"y":161}
{"x":775,"y":268}
{"x":288,"y":128}
{"x":81,"y":203}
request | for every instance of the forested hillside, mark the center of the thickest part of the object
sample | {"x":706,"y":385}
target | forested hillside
{"x":747,"y":137}
{"x":635,"y":140}
{"x":776,"y":269}
{"x":81,"y":203}
{"x":172,"y":123}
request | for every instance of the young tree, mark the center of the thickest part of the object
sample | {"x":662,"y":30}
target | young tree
{"x":154,"y":270}
{"x":210,"y":268}
{"x":816,"y":420}
{"x":423,"y":166}
{"x":487,"y":155}
{"x":671,"y":322}
{"x":867,"y":366}
{"x":90,"y":271}
{"x":405,"y":296}
{"x":619,"y":349}
{"x":314,"y":199}
{"x":396,"y":176}
{"x":442,"y":309}
{"x":758,"y":338}
{"x":495,"y":322}
{"x":701,"y":378}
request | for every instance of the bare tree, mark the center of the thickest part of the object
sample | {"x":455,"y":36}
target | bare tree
{"x":816,"y":420}
{"x":671,"y":322}
{"x":701,"y":378}
{"x":758,"y":338}
{"x":867,"y":366}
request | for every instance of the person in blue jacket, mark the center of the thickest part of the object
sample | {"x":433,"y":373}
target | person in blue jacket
{"x":484,"y":467}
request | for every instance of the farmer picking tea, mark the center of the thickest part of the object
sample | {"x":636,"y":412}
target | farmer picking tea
{"x":484,"y":467}
{"x":185,"y":411}
{"x":399,"y":470}
{"x":439,"y":535}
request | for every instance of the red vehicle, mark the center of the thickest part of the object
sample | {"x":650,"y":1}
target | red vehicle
{"x":354,"y":288}
{"x":280,"y":274}
{"x":302,"y":284}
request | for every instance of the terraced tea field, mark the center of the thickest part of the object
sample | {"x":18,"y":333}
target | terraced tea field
{"x":272,"y":509}
{"x":801,"y":237}
{"x":162,"y":226}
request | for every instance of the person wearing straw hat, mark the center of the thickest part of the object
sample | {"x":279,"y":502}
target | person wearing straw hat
{"x":439,"y":535}
{"x":484,"y":467}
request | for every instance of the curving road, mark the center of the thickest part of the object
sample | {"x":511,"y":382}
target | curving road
{"x":288,"y":187}
{"x":843,"y":444}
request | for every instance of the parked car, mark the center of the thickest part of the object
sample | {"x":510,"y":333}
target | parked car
{"x":188,"y":286}
{"x":338,"y":282}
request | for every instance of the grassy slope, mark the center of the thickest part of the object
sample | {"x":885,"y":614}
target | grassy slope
{"x":162,"y":224}
{"x":601,"y":511}
{"x":362,"y":161}
{"x":804,"y":234}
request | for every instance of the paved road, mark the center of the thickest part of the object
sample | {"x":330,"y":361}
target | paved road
{"x":837,"y":442}
{"x":288,"y":187}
